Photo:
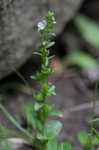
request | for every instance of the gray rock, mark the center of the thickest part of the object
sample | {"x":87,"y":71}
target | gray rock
{"x":15,"y":144}
{"x":18,"y":32}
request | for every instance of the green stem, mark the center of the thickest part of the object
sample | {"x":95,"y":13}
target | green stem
{"x":92,"y":115}
{"x":15,"y":122}
{"x":25,"y":82}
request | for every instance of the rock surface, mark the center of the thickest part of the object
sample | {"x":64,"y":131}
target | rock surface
{"x":19,"y":144}
{"x":18,"y":33}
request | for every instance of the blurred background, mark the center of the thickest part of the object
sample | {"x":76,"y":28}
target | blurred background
{"x":76,"y":59}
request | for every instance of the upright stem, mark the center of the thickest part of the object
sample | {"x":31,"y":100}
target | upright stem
{"x":92,"y":115}
{"x":46,"y":31}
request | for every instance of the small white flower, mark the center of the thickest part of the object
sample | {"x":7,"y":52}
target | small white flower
{"x":42,"y":25}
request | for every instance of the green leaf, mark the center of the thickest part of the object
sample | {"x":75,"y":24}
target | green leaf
{"x":48,"y":108}
{"x":37,"y":106}
{"x":83,"y":60}
{"x":51,"y":29}
{"x":94,"y":120}
{"x":52,"y":128}
{"x":47,"y":71}
{"x":44,"y":43}
{"x":89,"y":29}
{"x":33,"y":77}
{"x":95,"y":141}
{"x":52,"y":34}
{"x":50,"y":18}
{"x":31,"y":117}
{"x":51,"y":90}
{"x":96,"y":133}
{"x":51,"y":57}
{"x":43,"y":74}
{"x":37,"y":53}
{"x":39,"y":96}
{"x":48,"y":89}
{"x":84,"y":138}
{"x":65,"y":146}
{"x":38,"y":76}
{"x":46,"y":62}
{"x":50,"y":44}
{"x":55,"y":113}
{"x":41,"y":137}
{"x":52,"y":144}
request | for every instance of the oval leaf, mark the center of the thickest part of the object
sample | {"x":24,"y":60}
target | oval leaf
{"x":55,"y":113}
{"x":89,"y":29}
{"x":37,"y":106}
{"x":50,"y":44}
{"x":52,"y":128}
{"x":83,"y":60}
{"x":84,"y":138}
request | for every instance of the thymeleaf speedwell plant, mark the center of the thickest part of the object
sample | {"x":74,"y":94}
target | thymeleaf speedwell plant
{"x":41,"y":131}
{"x":46,"y":131}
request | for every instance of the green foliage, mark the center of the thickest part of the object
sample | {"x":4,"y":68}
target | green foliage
{"x":90,"y":32}
{"x":55,"y":113}
{"x":97,"y":134}
{"x":37,"y":114}
{"x":4,"y":145}
{"x":85,"y":139}
{"x":65,"y":146}
{"x":89,"y":29}
{"x":83,"y":60}
{"x":91,"y":139}
{"x":52,"y":129}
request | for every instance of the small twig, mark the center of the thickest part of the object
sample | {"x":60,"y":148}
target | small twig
{"x":81,"y":107}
